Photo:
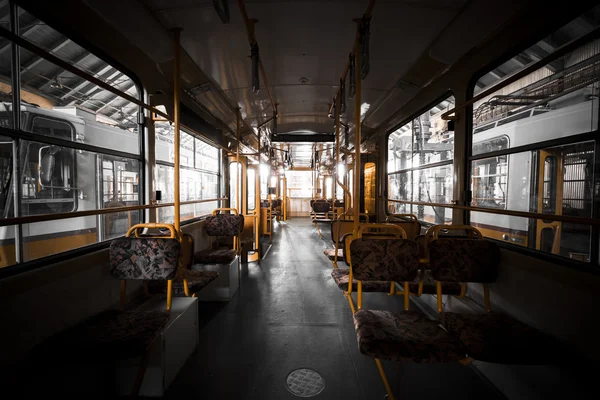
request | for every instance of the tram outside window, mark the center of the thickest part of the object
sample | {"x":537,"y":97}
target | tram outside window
{"x":489,"y":176}
{"x":81,"y":152}
{"x":412,"y":148}
{"x":534,"y":148}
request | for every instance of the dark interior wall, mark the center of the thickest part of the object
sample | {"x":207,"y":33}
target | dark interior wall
{"x":39,"y":303}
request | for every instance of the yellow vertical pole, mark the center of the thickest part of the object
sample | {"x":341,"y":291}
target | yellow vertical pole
{"x":238,"y":199}
{"x":356,"y":201}
{"x":337,"y":155}
{"x":258,"y":207}
{"x":176,"y":68}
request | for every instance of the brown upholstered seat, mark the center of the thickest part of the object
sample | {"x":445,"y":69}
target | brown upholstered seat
{"x":341,"y":279}
{"x":214,"y":256}
{"x":408,"y":337}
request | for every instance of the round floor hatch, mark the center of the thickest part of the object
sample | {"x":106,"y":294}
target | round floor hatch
{"x":305,"y":382}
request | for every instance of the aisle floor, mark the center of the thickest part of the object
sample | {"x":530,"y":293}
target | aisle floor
{"x":288,"y":314}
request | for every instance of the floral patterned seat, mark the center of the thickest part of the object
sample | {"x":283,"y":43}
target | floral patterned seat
{"x":407,"y":337}
{"x":118,"y":334}
{"x":490,"y":336}
{"x":220,"y":225}
{"x":196,"y":280}
{"x":341,"y":275}
{"x":214,"y":256}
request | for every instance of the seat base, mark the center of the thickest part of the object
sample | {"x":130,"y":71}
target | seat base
{"x":222,"y":288}
{"x":89,"y":359}
{"x":341,"y":275}
{"x":409,"y":337}
{"x":330,"y":253}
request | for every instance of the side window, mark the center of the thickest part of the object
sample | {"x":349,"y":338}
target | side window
{"x":48,"y":171}
{"x":51,"y":127}
{"x":489,"y":178}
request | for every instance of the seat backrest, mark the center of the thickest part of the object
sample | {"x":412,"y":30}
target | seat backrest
{"x":224,"y":225}
{"x":321,"y":207}
{"x":384,"y":259}
{"x":408,"y":222}
{"x":339,"y":228}
{"x":187,"y":251}
{"x":463,"y":260}
{"x":150,"y":258}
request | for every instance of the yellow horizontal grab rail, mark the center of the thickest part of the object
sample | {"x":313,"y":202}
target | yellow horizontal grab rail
{"x":152,"y":225}
{"x":524,"y":214}
{"x":51,"y":217}
{"x":401,"y":233}
{"x":216,"y":210}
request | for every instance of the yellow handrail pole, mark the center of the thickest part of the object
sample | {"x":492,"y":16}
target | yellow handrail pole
{"x":238,"y":170}
{"x":177,"y":122}
{"x":258,"y":207}
{"x":337,"y":154}
{"x":355,"y":201}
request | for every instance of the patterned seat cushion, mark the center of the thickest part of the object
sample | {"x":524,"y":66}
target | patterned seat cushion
{"x":408,"y":337}
{"x":111,"y":334}
{"x":144,"y":258}
{"x":340,"y":276}
{"x":197,"y":280}
{"x":429,"y":285}
{"x":224,"y":225}
{"x":214,"y":256}
{"x":498,"y":338}
{"x":330,"y":253}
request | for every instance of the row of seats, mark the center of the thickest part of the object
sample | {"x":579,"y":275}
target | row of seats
{"x":164,"y":262}
{"x":383,"y":258}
